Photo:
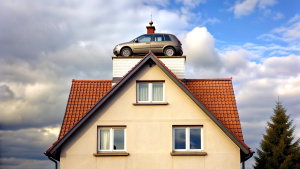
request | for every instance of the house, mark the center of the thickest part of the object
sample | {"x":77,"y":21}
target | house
{"x":150,"y":117}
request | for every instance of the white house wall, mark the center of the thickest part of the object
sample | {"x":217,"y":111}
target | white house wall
{"x":122,"y":65}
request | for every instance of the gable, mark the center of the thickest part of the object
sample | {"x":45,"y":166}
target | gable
{"x":233,"y":132}
{"x":149,"y":127}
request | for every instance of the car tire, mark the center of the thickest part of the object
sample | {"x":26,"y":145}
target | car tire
{"x":169,"y":51}
{"x":126,"y":52}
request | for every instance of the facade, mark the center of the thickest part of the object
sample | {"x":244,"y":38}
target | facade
{"x":150,"y":116}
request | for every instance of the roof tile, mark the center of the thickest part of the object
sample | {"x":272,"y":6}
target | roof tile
{"x":216,"y":94}
{"x":83,"y":96}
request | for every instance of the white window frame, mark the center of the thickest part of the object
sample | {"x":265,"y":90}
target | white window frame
{"x":150,"y":92}
{"x":187,"y":139}
{"x":111,"y":139}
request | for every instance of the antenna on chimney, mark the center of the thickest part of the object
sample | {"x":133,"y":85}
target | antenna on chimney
{"x":150,"y":29}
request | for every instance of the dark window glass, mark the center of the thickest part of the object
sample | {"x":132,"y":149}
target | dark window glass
{"x":118,"y":139}
{"x":195,"y":138}
{"x":180,"y":138}
{"x":167,"y":38}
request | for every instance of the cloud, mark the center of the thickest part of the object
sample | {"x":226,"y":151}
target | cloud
{"x":280,"y":67}
{"x":258,"y":81}
{"x":46,"y":44}
{"x":198,"y":45}
{"x":244,"y":8}
{"x":288,"y":33}
{"x":190,"y":3}
{"x":211,"y":21}
{"x":29,"y":141}
{"x":278,"y":16}
{"x":51,"y":43}
{"x":6,"y":93}
{"x":248,"y":6}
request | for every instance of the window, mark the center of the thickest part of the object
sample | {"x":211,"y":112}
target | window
{"x":158,"y":38}
{"x":145,"y":38}
{"x":187,"y":138}
{"x":167,"y":38}
{"x":150,"y":92}
{"x":111,"y":139}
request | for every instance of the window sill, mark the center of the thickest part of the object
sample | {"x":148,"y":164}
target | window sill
{"x":111,"y":154}
{"x":139,"y":104}
{"x":188,"y":154}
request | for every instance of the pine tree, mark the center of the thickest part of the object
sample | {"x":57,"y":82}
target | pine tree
{"x":277,"y":150}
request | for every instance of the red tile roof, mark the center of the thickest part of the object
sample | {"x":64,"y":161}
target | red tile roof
{"x":216,"y":94}
{"x":83,"y":96}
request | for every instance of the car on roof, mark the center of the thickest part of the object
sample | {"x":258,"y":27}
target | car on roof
{"x":158,"y":43}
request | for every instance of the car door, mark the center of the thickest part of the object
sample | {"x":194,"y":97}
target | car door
{"x":157,"y":43}
{"x":142,"y":44}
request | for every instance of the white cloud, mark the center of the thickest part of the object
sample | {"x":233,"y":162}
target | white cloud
{"x":244,"y":8}
{"x":211,"y":21}
{"x":198,"y":45}
{"x":248,"y":6}
{"x":278,"y":16}
{"x":265,"y":3}
{"x":288,"y":33}
{"x":191,"y":3}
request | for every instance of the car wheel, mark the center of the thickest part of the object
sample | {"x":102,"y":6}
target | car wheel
{"x":169,"y":51}
{"x":126,"y":52}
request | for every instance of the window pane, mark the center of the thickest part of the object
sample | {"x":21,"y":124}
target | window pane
{"x":145,"y":38}
{"x":195,"y":138}
{"x":167,"y":38}
{"x":104,"y":139}
{"x":180,"y":139}
{"x":118,"y":139}
{"x":157,"y":92}
{"x":143,"y":91}
{"x":158,"y":38}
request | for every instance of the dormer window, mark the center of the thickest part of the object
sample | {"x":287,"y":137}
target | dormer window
{"x":150,"y":92}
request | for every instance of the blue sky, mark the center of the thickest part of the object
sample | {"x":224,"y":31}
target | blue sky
{"x":46,"y":44}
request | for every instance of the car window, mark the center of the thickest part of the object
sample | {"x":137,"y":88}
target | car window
{"x":167,"y":38}
{"x":158,"y":38}
{"x":145,"y":38}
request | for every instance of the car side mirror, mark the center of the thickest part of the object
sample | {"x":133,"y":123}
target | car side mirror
{"x":135,"y":40}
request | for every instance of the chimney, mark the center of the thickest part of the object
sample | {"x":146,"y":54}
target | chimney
{"x":150,"y":29}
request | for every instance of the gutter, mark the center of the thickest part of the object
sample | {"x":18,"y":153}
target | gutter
{"x":52,"y":159}
{"x":246,"y":158}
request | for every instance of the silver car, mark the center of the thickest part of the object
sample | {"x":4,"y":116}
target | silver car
{"x":158,"y":43}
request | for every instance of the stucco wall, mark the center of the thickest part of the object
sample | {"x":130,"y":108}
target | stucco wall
{"x":149,"y":132}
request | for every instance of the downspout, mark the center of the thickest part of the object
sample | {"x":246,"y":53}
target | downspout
{"x":246,"y":158}
{"x":52,"y":159}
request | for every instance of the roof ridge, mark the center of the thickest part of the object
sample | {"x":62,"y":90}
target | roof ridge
{"x":224,"y":79}
{"x":74,"y":80}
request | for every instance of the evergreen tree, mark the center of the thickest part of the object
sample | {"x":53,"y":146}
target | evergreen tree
{"x":277,"y":150}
